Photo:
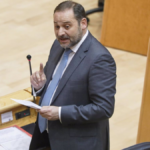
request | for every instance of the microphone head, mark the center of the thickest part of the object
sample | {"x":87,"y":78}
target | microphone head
{"x":29,"y":57}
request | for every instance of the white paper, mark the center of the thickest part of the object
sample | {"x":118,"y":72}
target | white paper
{"x":6,"y":117}
{"x":14,"y":139}
{"x":27,"y":103}
{"x":19,"y":144}
{"x":1,"y":148}
{"x":10,"y":134}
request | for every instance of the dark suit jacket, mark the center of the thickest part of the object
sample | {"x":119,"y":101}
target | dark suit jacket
{"x":86,"y":95}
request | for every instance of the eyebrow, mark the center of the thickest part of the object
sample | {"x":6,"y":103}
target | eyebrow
{"x":64,"y":22}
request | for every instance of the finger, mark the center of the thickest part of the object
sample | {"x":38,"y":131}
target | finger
{"x":37,"y":76}
{"x":45,"y":109}
{"x":34,"y":77}
{"x":43,"y":77}
{"x":41,"y":68}
{"x":42,"y":115}
{"x":34,"y":83}
{"x":32,"y":80}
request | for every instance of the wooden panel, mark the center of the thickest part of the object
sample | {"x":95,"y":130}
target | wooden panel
{"x":144,"y":123}
{"x":6,"y":105}
{"x":22,"y":121}
{"x":126,"y":25}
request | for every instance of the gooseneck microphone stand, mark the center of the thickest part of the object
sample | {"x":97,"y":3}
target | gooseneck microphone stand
{"x":29,"y":59}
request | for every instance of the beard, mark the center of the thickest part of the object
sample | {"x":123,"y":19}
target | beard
{"x":73,"y":40}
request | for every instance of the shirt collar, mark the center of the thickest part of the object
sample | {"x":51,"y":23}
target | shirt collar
{"x":76,"y":47}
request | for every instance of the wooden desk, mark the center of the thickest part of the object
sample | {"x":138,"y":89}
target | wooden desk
{"x":6,"y":105}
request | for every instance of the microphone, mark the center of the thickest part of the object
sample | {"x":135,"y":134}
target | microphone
{"x":29,"y":59}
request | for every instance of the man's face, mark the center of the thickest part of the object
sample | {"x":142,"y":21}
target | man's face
{"x":67,"y":29}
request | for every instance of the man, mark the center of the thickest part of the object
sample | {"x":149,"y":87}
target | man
{"x":77,"y":87}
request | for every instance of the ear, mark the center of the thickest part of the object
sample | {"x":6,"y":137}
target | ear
{"x":83,"y":23}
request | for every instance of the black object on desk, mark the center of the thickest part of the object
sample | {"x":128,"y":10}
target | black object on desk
{"x":29,"y":128}
{"x":141,"y":146}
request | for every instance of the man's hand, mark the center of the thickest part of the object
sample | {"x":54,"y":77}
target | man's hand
{"x":38,"y":79}
{"x":49,"y":112}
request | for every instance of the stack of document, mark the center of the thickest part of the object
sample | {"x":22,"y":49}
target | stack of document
{"x":14,"y":138}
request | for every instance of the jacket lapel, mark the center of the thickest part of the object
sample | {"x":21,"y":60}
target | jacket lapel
{"x":77,"y":59}
{"x":52,"y":63}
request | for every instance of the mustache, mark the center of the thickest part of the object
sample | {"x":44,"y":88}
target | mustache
{"x":63,"y":37}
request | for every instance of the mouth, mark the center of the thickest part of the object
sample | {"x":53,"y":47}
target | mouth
{"x":64,"y":39}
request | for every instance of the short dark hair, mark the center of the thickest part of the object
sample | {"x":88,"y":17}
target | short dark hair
{"x":77,"y":8}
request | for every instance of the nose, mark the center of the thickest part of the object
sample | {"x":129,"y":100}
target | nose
{"x":61,"y":32}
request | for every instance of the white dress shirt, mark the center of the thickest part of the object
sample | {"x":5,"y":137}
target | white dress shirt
{"x":71,"y":55}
